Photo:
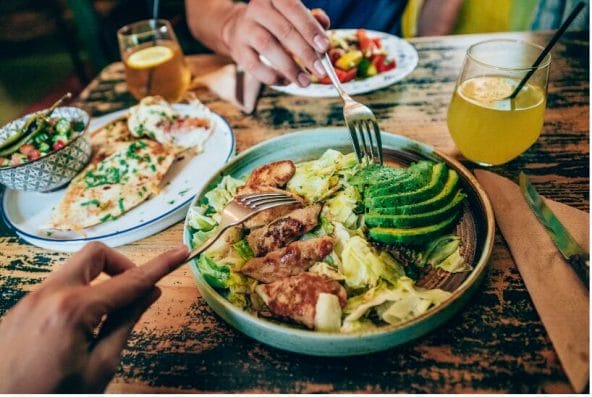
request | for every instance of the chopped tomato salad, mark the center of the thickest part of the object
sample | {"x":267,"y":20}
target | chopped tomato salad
{"x":357,"y":56}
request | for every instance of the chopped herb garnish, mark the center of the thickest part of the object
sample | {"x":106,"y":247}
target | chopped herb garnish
{"x":120,"y":203}
{"x":91,"y":202}
{"x":171,"y":202}
{"x":106,"y":218}
{"x":183,"y":192}
{"x":153,"y":167}
{"x":48,"y":233}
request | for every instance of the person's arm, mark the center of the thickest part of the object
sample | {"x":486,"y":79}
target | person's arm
{"x":274,"y":29}
{"x":68,"y":335}
{"x":438,"y":17}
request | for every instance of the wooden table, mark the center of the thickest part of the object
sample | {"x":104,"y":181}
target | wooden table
{"x":496,"y":344}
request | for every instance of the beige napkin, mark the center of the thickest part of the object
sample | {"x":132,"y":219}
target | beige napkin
{"x":223,"y":82}
{"x":560,"y":299}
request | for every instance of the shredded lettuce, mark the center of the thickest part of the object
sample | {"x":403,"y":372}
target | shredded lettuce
{"x":318,"y":179}
{"x":243,"y":249}
{"x":223,"y":193}
{"x":340,"y":208}
{"x":215,"y":274}
{"x":445,"y":253}
{"x":362,"y":266}
{"x":393,"y":304}
{"x":198,"y":220}
{"x":327,"y":313}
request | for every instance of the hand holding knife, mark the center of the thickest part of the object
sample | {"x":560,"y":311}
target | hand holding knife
{"x":577,"y":258}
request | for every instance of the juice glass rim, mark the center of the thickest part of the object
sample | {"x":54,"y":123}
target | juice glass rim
{"x":128,"y":30}
{"x":544,"y":64}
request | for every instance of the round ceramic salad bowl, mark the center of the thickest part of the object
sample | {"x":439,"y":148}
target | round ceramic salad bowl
{"x":475,"y":230}
{"x":56,"y":168}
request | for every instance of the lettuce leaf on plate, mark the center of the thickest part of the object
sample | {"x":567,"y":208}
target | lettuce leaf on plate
{"x":318,"y":179}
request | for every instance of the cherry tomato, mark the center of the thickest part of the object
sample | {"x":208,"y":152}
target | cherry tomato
{"x":34,"y":155}
{"x":26,"y":149}
{"x":343,"y":75}
{"x":58,"y":145}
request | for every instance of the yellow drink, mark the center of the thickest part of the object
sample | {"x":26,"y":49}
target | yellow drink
{"x":157,"y":70}
{"x":489,"y":129}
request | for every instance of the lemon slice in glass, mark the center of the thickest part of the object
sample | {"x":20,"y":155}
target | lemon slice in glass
{"x":149,"y":57}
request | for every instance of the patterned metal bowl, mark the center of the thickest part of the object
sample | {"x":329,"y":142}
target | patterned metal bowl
{"x":54,"y":169}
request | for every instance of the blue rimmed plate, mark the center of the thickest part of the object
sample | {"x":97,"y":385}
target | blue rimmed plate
{"x":27,"y":212}
{"x":398,"y":49}
{"x":476,"y":230}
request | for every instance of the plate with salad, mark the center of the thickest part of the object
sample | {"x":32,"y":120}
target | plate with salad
{"x":364,"y":61}
{"x":370,"y":257}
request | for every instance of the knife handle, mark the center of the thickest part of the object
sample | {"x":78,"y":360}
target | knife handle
{"x":579,"y":264}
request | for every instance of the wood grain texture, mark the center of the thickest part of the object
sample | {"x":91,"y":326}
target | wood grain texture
{"x":497,"y":344}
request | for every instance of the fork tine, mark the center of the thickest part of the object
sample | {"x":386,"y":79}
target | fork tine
{"x":362,"y":138}
{"x":355,"y":142}
{"x":378,"y":138}
{"x":260,"y":204}
{"x":259,"y":197}
{"x":269,"y":205}
{"x":369,"y":132}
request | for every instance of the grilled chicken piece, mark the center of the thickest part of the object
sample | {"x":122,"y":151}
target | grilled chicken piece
{"x":284,"y":230}
{"x":294,"y":259}
{"x":273,"y":174}
{"x":296,"y":297}
{"x":263,"y":218}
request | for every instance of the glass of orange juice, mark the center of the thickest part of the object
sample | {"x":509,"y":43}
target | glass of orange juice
{"x":153,"y":60}
{"x":487,"y":126}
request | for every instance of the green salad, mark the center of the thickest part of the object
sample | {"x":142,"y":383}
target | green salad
{"x":358,"y":265}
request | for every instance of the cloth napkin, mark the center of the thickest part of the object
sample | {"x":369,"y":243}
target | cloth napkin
{"x":226,"y":83}
{"x":559,"y":297}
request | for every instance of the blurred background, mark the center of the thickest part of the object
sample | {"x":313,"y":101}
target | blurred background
{"x":52,"y":46}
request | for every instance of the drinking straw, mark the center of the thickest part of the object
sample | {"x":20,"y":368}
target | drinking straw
{"x":155,"y":9}
{"x":549,"y":46}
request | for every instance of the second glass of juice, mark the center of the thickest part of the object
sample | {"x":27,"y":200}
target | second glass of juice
{"x":488,"y":126}
{"x":153,"y":60}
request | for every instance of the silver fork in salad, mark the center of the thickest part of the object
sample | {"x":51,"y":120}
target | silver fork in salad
{"x":240,"y":209}
{"x":360,"y":120}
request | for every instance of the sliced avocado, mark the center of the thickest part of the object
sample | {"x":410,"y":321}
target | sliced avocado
{"x":415,"y":220}
{"x":412,"y":236}
{"x":437,"y":181}
{"x":441,"y":199}
{"x":418,"y":175}
{"x":376,"y":174}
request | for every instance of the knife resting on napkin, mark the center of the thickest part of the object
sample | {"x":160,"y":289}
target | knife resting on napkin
{"x":559,"y":297}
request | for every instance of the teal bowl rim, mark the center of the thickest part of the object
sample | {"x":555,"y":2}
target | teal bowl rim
{"x":319,"y":336}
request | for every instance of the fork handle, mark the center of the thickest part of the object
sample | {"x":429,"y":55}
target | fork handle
{"x":208,"y":243}
{"x":326,"y":62}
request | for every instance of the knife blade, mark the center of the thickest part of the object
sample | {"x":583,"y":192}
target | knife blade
{"x":577,"y":258}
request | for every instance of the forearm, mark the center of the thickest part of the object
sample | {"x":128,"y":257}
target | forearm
{"x":206,"y":20}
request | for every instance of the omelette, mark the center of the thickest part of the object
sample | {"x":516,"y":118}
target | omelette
{"x":120,"y":176}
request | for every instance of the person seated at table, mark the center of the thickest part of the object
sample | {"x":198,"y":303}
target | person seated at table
{"x":67,"y":336}
{"x":278,"y":29}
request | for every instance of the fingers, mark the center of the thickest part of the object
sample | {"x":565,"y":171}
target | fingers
{"x":105,"y":355}
{"x":321,"y":17}
{"x":308,"y":27}
{"x":125,"y":288}
{"x":85,"y":265}
{"x":279,"y":33}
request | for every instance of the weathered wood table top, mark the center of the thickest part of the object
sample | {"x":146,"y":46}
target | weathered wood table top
{"x":496,"y":344}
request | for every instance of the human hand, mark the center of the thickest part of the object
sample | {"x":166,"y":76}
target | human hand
{"x":276,"y":30}
{"x":67,"y":336}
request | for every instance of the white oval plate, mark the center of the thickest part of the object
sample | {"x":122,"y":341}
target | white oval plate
{"x":404,"y":54}
{"x":25,"y":212}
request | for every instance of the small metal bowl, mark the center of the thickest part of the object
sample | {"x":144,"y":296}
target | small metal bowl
{"x":55,"y":169}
